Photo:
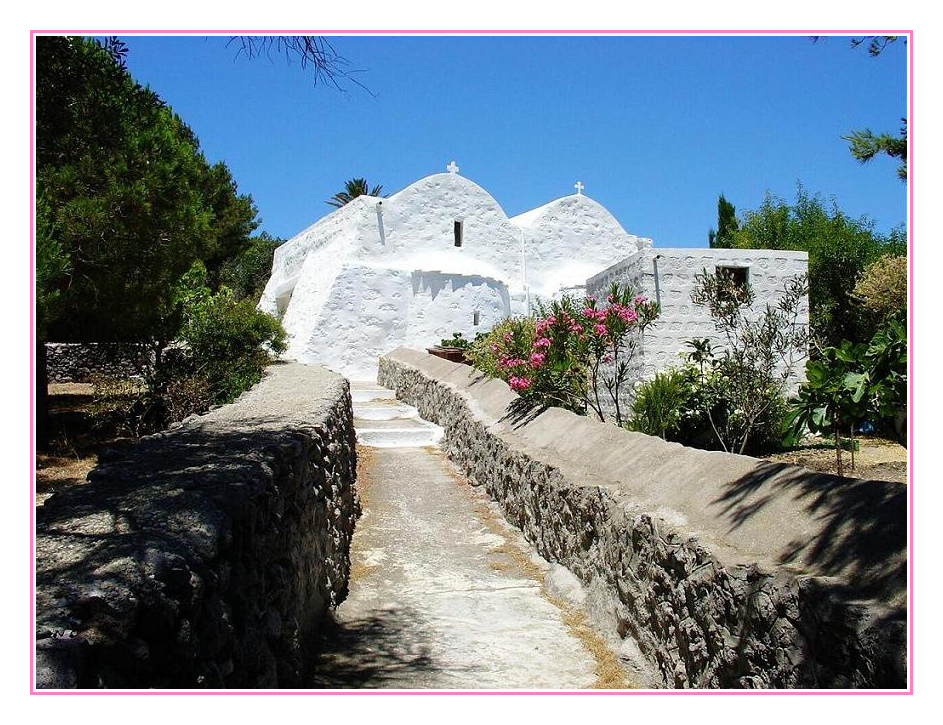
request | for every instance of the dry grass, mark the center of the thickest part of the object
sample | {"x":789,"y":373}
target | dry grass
{"x":358,"y":568}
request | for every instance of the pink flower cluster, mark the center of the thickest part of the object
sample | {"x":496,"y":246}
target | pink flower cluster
{"x":519,"y":383}
{"x":511,"y":362}
{"x":523,"y":372}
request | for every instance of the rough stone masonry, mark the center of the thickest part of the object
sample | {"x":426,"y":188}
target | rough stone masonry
{"x":205,"y":556}
{"x":720,"y":570}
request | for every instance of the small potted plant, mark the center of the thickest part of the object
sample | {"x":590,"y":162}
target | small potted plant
{"x":452,"y":348}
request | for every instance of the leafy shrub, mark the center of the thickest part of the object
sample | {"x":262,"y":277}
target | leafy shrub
{"x":508,"y":340}
{"x":882,"y":288}
{"x":223,"y":347}
{"x":247,"y":273}
{"x":743,"y":389}
{"x":229,"y":342}
{"x":457,"y":341}
{"x":659,"y":403}
{"x":852,"y":383}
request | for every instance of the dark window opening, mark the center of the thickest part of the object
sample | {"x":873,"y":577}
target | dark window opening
{"x":738,"y":278}
{"x":458,"y":233}
{"x":476,"y":318}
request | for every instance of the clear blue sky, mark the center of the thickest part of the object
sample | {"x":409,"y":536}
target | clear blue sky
{"x":655,"y":127}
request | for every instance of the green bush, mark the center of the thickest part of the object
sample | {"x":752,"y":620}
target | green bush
{"x":223,"y":346}
{"x":229,"y":342}
{"x":457,"y":341}
{"x":695,"y":405}
{"x":659,"y":404}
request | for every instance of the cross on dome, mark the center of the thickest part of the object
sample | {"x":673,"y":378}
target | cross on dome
{"x":579,"y":188}
{"x":452,"y":167}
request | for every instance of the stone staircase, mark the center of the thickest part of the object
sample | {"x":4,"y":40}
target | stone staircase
{"x":381,"y":421}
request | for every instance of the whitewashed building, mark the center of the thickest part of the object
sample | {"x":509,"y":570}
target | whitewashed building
{"x":440,"y":256}
{"x":667,"y":275}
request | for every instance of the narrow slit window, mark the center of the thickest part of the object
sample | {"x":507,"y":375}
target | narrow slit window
{"x":476,"y":318}
{"x":458,"y":233}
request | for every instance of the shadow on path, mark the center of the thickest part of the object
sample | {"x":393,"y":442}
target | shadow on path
{"x":371,"y":652}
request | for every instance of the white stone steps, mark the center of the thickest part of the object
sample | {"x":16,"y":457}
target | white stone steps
{"x":381,"y":421}
{"x":386,"y":412}
{"x":399,"y":437}
{"x":365,"y":395}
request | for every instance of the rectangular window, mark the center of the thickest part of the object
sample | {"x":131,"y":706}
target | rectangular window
{"x":458,"y":233}
{"x":476,"y":318}
{"x":738,"y":278}
{"x":738,"y":275}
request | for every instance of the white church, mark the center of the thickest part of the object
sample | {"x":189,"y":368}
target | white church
{"x":441,"y":256}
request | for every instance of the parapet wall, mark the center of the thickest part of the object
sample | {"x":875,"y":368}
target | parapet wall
{"x":717,"y":570}
{"x":205,"y":556}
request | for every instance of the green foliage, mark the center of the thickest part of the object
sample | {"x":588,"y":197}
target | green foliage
{"x":352,"y":189}
{"x":741,"y":391}
{"x":132,"y":203}
{"x":852,"y":383}
{"x":660,"y":403}
{"x":727,"y":225}
{"x":839,"y":249}
{"x":457,"y":341}
{"x":247,"y":273}
{"x":865,"y":145}
{"x":229,"y":342}
{"x":882,"y":290}
{"x":52,"y":267}
{"x":572,"y":355}
{"x":509,"y":339}
{"x":223,"y":348}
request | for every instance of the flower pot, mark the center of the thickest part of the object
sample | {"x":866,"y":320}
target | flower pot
{"x":454,"y":354}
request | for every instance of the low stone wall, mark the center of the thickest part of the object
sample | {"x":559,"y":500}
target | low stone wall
{"x":80,"y":362}
{"x":716,"y":570}
{"x":205,"y":556}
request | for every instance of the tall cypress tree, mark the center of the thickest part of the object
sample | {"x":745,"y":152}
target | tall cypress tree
{"x":722,"y":237}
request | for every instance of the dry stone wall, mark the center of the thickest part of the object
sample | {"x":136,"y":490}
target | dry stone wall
{"x":205,"y":556}
{"x":716,"y":570}
{"x":80,"y":362}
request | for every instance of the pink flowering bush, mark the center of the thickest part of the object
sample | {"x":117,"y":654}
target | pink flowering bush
{"x":571,"y":352}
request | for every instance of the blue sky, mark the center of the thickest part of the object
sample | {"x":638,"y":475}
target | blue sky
{"x":655,"y":127}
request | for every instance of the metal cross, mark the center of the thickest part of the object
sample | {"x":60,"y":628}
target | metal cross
{"x":579,"y":187}
{"x":452,"y":167}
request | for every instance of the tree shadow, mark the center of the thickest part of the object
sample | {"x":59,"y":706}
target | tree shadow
{"x":182,"y":517}
{"x":522,"y":411}
{"x":376,"y":651}
{"x":859,"y":531}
